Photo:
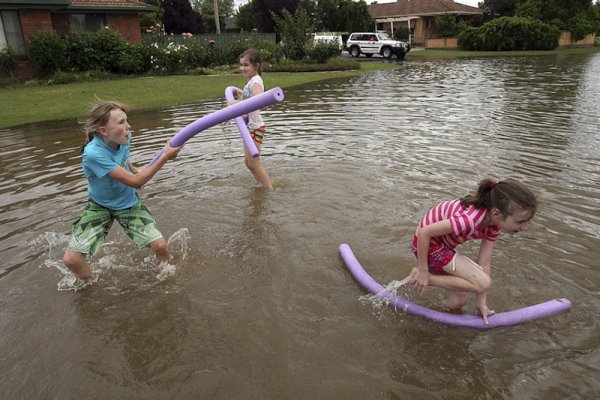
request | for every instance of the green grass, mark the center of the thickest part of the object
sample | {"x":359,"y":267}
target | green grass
{"x":476,"y":54}
{"x":30,"y":104}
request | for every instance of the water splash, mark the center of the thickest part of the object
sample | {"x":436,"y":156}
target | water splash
{"x":379,"y":302}
{"x":113,"y":259}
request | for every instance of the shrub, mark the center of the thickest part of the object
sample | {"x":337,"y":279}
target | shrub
{"x":470,"y":39}
{"x":401,"y":34}
{"x":134,"y":60}
{"x":322,"y":52}
{"x":168,"y":60}
{"x":79,"y":51}
{"x":510,"y":33}
{"x":107,"y":49}
{"x":8,"y":60}
{"x":47,"y":51}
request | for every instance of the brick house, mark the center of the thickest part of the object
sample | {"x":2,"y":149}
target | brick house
{"x":19,"y":19}
{"x":419,"y":15}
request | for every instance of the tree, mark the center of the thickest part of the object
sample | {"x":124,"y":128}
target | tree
{"x":501,"y":7}
{"x":569,"y":15}
{"x":266,"y":9}
{"x":343,"y":16}
{"x":354,"y":16}
{"x":179,"y":17}
{"x":247,"y":18}
{"x":292,"y":30}
{"x":207,"y":9}
{"x":153,"y":18}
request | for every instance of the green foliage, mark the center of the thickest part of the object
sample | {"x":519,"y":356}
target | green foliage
{"x":355,"y":17}
{"x":510,"y":33}
{"x":168,"y":60}
{"x":577,"y":16}
{"x":402,"y":34}
{"x":292,"y":30}
{"x":247,"y":18}
{"x":8,"y":60}
{"x":133,"y":60}
{"x":206,"y":8}
{"x":448,"y":25}
{"x":47,"y":51}
{"x":100,"y":51}
{"x":150,"y":19}
{"x":323,"y":52}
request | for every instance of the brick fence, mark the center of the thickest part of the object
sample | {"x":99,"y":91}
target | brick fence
{"x":565,"y":40}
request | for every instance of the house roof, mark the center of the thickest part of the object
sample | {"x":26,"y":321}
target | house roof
{"x":113,"y":5}
{"x":89,"y":5}
{"x":34,"y":3}
{"x":403,"y":8}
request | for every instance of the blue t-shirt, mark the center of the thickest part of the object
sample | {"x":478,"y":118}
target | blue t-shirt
{"x":98,"y":161}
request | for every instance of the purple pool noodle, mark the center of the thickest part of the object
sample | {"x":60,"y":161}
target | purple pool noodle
{"x":473,"y":321}
{"x":241,"y":124}
{"x":262,"y":100}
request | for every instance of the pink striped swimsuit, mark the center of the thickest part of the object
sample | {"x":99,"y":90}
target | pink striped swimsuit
{"x":466,"y":224}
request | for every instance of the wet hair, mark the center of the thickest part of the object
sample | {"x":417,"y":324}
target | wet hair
{"x":98,"y":116}
{"x":254,"y":58}
{"x":508,"y":196}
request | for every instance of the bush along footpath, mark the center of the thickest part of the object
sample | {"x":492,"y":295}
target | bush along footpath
{"x":509,"y":34}
{"x":105,"y":52}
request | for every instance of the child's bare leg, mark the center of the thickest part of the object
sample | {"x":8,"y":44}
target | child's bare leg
{"x":259,"y":172}
{"x":455,"y":300}
{"x":466,"y":276}
{"x":161,"y":249}
{"x":77,"y":264}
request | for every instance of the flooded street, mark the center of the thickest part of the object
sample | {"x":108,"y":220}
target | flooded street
{"x":257,"y":303}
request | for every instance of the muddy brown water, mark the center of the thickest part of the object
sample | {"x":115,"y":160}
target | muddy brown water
{"x":257,"y":303}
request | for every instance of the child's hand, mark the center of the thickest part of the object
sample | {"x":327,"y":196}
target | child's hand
{"x":422,"y":281}
{"x":485,"y":312}
{"x":172,"y":152}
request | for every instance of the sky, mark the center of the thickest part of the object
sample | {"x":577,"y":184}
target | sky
{"x":472,"y":3}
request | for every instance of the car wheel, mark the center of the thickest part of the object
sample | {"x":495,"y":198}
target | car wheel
{"x":354,"y":51}
{"x":387,"y":52}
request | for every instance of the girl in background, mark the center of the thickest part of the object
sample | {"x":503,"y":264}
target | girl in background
{"x":250,"y":66}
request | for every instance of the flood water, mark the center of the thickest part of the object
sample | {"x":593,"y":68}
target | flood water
{"x":257,"y":303}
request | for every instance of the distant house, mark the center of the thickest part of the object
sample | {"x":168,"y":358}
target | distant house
{"x":419,"y":16}
{"x":19,"y":19}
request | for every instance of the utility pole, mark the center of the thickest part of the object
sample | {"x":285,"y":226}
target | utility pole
{"x":217,"y":23}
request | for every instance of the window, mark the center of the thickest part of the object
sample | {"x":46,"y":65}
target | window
{"x":86,"y":22}
{"x":10,"y":33}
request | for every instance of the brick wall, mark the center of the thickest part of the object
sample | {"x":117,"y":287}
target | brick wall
{"x":33,"y":21}
{"x":127,"y":24}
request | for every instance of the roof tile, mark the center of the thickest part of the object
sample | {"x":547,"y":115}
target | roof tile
{"x":420,"y":7}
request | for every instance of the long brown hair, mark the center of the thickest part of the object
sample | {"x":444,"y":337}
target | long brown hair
{"x":98,"y":116}
{"x":254,"y":58}
{"x":508,"y":196}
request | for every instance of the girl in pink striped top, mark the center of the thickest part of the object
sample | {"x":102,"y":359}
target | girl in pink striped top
{"x":505,"y":206}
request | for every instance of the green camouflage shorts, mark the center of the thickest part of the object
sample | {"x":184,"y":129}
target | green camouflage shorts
{"x":90,"y":230}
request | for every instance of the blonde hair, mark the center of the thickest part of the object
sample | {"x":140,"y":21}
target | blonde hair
{"x":98,"y":116}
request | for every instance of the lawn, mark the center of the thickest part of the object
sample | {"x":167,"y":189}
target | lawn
{"x":28,"y":104}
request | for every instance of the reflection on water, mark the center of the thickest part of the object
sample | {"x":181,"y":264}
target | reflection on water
{"x":257,"y":300}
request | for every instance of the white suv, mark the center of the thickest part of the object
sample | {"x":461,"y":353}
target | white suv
{"x":369,"y":43}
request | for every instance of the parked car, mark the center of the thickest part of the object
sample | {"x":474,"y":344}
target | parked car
{"x":328,"y":37}
{"x":369,"y":43}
